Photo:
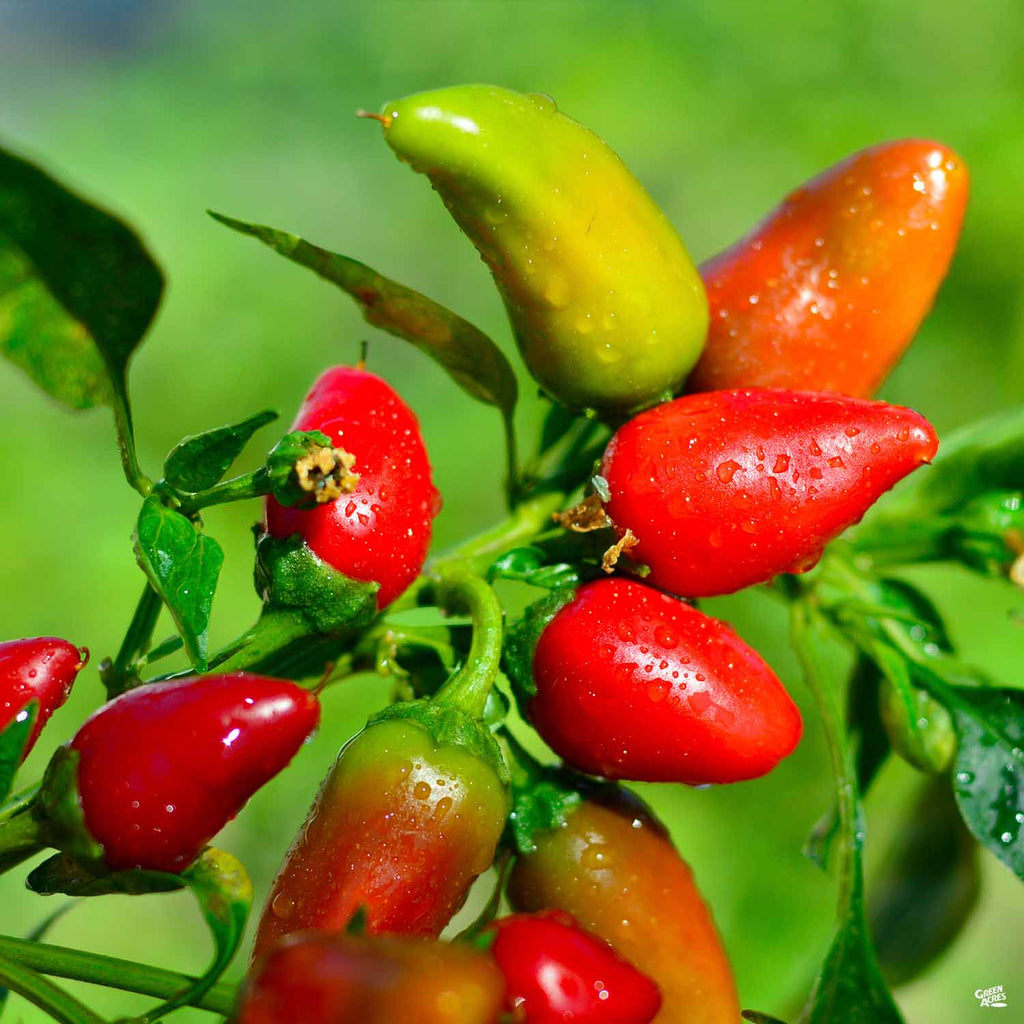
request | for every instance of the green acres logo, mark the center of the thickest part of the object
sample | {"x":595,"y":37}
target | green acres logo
{"x":991,"y":996}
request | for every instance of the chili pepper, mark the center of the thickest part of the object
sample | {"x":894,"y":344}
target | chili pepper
{"x":380,"y":531}
{"x":828,"y":291}
{"x":42,"y":669}
{"x":597,"y":852}
{"x":729,"y":488}
{"x":556,"y":972}
{"x":162,"y":768}
{"x":401,"y":827}
{"x":316,"y":979}
{"x":626,"y":682}
{"x":606,"y":305}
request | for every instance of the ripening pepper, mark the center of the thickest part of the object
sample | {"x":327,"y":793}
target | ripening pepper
{"x":606,"y":305}
{"x":624,"y":681}
{"x":41,"y":669}
{"x":827,"y":292}
{"x":379,"y":532}
{"x":322,"y":979}
{"x":600,"y":854}
{"x":558,"y":973}
{"x":726,"y":489}
{"x":403,"y":824}
{"x":162,"y":768}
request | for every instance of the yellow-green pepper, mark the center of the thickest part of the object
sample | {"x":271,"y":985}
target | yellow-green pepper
{"x":605,"y":302}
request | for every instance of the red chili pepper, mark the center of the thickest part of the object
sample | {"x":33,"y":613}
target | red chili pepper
{"x":41,"y":669}
{"x":319,"y":979}
{"x":165,"y":766}
{"x":729,"y":488}
{"x":613,"y":867}
{"x":556,"y":973}
{"x":380,"y":532}
{"x":401,"y":827}
{"x":630,"y":683}
{"x":830,"y":289}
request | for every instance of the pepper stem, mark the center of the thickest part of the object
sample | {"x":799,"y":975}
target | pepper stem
{"x":461,"y":591}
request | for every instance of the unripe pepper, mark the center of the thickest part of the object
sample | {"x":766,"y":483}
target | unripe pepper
{"x":162,"y":768}
{"x":829,"y":290}
{"x":726,"y":489}
{"x":624,"y":681}
{"x":321,"y":979}
{"x":607,"y":307}
{"x":556,"y":973}
{"x":598,"y":853}
{"x":380,"y":531}
{"x":41,"y":669}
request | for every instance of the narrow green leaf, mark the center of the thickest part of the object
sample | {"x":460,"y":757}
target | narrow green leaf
{"x":182,"y":564}
{"x":756,"y":1017}
{"x":199,"y":461}
{"x":61,"y":874}
{"x":988,"y":773}
{"x":14,"y":744}
{"x":471,"y":359}
{"x":78,"y":289}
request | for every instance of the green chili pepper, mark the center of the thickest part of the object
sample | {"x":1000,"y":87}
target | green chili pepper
{"x":606,"y":304}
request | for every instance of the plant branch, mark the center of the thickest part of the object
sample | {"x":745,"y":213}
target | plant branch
{"x":43,"y":993}
{"x":111,"y":972}
{"x":126,"y":436}
{"x":136,"y":642}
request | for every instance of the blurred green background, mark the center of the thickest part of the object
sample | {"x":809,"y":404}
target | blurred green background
{"x":160,"y":110}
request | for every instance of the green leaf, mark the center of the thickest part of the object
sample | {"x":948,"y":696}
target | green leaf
{"x":14,"y":745}
{"x":988,"y":773}
{"x":756,"y":1017}
{"x":199,"y":461}
{"x":520,"y":642}
{"x":182,"y":564}
{"x":471,"y":359}
{"x":927,"y":887}
{"x":62,"y":874}
{"x":78,"y":289}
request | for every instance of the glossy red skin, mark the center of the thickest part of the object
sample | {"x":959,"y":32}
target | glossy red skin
{"x":381,"y":531}
{"x":42,"y":669}
{"x":165,"y":766}
{"x":556,"y":973}
{"x":313,"y":978}
{"x":634,"y":684}
{"x":730,"y":488}
{"x":827,"y":292}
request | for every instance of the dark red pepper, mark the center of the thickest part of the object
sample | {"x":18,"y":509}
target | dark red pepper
{"x":380,"y":532}
{"x":630,"y":683}
{"x":165,"y":766}
{"x":556,"y":973}
{"x":726,"y":489}
{"x":41,"y":669}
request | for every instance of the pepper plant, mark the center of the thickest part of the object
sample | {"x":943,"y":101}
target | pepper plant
{"x":650,"y":487}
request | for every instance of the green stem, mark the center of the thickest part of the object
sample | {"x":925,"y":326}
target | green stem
{"x":43,"y":993}
{"x":513,"y":481}
{"x":239,"y":488}
{"x":126,"y":437}
{"x":806,"y":625}
{"x":136,"y":642}
{"x":113,"y":973}
{"x":18,"y":802}
{"x":461,"y":591}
